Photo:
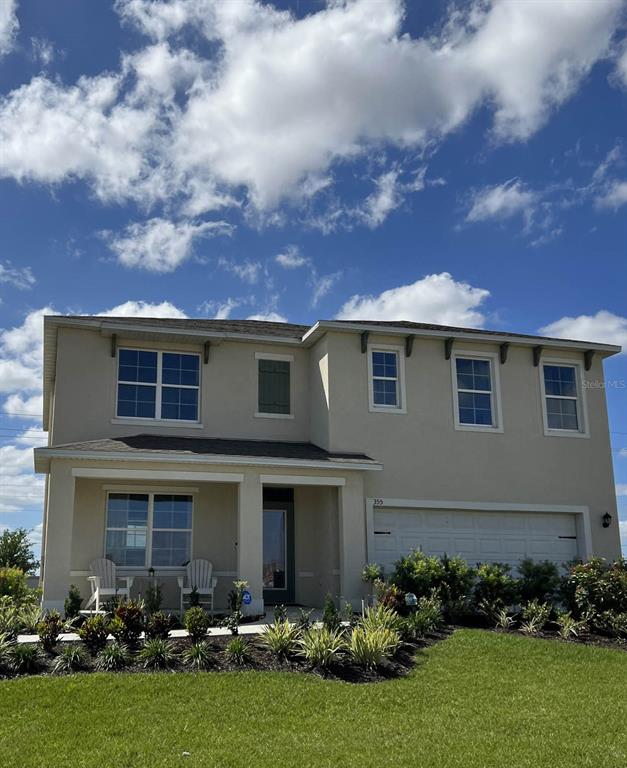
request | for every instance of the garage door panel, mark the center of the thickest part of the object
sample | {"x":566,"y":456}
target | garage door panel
{"x":477,"y":536}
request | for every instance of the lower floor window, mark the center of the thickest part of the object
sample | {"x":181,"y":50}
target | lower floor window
{"x":148,"y":529}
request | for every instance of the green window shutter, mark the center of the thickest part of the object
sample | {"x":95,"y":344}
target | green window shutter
{"x":274,"y":386}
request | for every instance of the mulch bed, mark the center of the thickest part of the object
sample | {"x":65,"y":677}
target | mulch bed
{"x":598,"y":641}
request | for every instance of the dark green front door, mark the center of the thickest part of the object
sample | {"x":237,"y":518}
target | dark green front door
{"x":278,"y":552}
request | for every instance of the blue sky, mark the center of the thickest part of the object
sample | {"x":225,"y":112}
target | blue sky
{"x":462,"y":165}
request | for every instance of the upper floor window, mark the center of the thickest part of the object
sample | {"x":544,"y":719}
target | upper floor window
{"x":562,"y":406}
{"x":146,"y":529}
{"x":386,"y":379}
{"x":274,"y":384}
{"x":158,"y":385}
{"x":475,"y":383}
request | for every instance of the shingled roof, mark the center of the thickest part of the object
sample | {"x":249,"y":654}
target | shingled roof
{"x":209,"y":447}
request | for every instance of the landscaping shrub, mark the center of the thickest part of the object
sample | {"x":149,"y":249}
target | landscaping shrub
{"x":538,"y":580}
{"x":330,"y":614}
{"x":113,"y":657}
{"x":25,"y":658}
{"x":281,"y":639}
{"x":371,"y":573}
{"x":9,"y":617}
{"x":535,"y":616}
{"x":236,"y":595}
{"x":494,"y":586}
{"x":49,"y":629}
{"x":304,"y":622}
{"x":232,"y":622}
{"x":198,"y":656}
{"x":596,"y":586}
{"x":322,"y":647}
{"x":280,"y":613}
{"x":159,"y":625}
{"x":6,"y":646}
{"x":13,"y":583}
{"x":72,"y":603}
{"x":370,"y":647}
{"x":570,"y":627}
{"x":390,"y":595}
{"x":612,"y":623}
{"x":381,"y":616}
{"x":457,"y":583}
{"x":29,"y":616}
{"x":426,"y":618}
{"x":71,"y":658}
{"x":153,"y":599}
{"x":236,"y":651}
{"x":93,"y":632}
{"x":418,"y":573}
{"x":128,"y":621}
{"x":196,"y":622}
{"x":158,"y":654}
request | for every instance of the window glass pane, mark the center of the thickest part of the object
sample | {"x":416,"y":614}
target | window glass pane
{"x":180,"y":369}
{"x":475,"y":409}
{"x":274,"y":562}
{"x":384,"y":364}
{"x":136,"y":400}
{"x":172,"y":511}
{"x":274,"y":386}
{"x":561,"y":414}
{"x":129,"y":512}
{"x":170,"y":548}
{"x":177,"y":403}
{"x":473,"y":374}
{"x":384,"y":392}
{"x":560,"y":380}
{"x":135,"y":365}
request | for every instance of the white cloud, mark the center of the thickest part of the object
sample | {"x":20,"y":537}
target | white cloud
{"x":160,"y":245}
{"x":621,"y":489}
{"x":614,"y":197}
{"x":221,"y":310}
{"x":291,"y":258}
{"x":322,"y":285}
{"x":144,"y":309}
{"x":502,"y":201}
{"x":19,"y":487}
{"x":42,"y":51}
{"x":621,"y":66}
{"x":8,"y":25}
{"x":434,"y":299}
{"x":18,"y":277}
{"x":604,"y":327}
{"x":282,"y":99}
{"x":248,"y":271}
{"x":270,"y":317}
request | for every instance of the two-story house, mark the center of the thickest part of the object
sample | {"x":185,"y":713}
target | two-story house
{"x":290,"y":455}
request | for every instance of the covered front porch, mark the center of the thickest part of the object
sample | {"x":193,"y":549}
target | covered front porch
{"x":295,"y":532}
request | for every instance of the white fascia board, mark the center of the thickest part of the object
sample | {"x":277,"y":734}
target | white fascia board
{"x":43,"y":454}
{"x":302,"y":480}
{"x":320,"y":328}
{"x":157,"y":474}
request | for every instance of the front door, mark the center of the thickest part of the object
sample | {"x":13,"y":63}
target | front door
{"x":278,"y":552}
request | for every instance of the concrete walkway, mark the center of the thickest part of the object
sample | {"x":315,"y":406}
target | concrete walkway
{"x":244,"y":629}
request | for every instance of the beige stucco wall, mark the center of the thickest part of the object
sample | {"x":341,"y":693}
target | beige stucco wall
{"x":316,"y":544}
{"x":86,"y":391}
{"x":425,"y":457}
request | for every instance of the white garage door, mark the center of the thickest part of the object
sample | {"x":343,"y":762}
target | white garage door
{"x":479,"y":537}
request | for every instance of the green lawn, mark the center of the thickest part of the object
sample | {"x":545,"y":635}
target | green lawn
{"x":476,"y":700}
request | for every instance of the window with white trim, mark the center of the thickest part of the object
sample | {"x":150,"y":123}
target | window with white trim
{"x":149,"y":529}
{"x":385,"y":378}
{"x":476,"y":391}
{"x":158,"y":385}
{"x":561,"y":397}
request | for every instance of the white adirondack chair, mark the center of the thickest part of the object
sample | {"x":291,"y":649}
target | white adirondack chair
{"x":104,"y":582}
{"x":199,"y":575}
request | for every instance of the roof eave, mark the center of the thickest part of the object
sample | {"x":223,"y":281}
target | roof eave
{"x":44,"y":455}
{"x":323,"y":326}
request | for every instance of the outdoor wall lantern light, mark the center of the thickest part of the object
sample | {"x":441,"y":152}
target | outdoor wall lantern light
{"x":606,"y":520}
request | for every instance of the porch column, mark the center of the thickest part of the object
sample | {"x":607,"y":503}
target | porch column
{"x":59,"y":529}
{"x":352,"y":525}
{"x":250,"y":539}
